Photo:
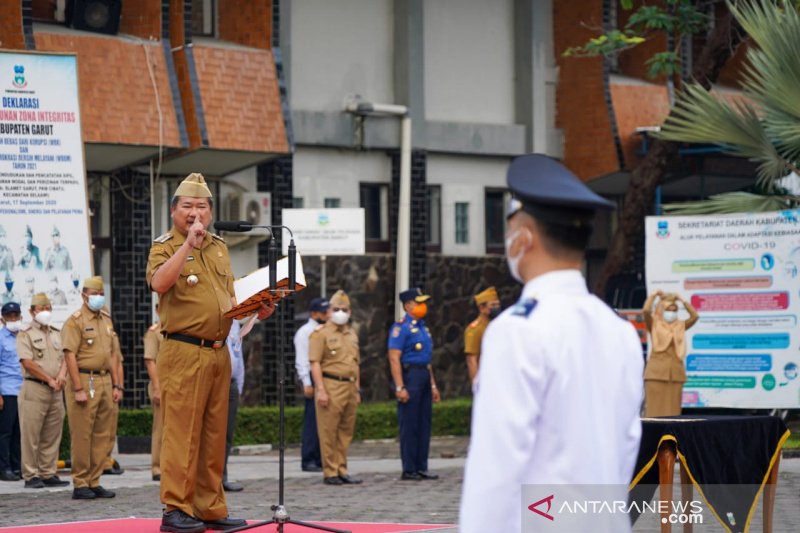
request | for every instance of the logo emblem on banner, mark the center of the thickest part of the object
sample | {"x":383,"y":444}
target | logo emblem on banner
{"x":19,"y":77}
{"x":663,"y":229}
{"x":323,"y":219}
{"x":546,"y":514}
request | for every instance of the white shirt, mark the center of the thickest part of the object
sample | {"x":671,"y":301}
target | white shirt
{"x":301,"y":363}
{"x":557,"y":402}
{"x":234,"y":343}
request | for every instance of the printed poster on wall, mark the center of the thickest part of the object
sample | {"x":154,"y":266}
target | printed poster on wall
{"x":44,"y":224}
{"x":741,"y":274}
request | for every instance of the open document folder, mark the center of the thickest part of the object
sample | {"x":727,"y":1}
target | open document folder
{"x":253,"y":289}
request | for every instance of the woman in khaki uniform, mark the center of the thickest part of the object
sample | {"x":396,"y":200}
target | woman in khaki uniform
{"x":334,"y":356}
{"x":41,"y":406}
{"x":665,"y":372}
{"x":152,"y":343}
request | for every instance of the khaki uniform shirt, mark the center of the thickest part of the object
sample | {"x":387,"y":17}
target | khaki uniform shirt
{"x":473,"y":335}
{"x":336,"y":349}
{"x":152,"y":341}
{"x":91,"y":337}
{"x":195,"y":310}
{"x":42,"y":345}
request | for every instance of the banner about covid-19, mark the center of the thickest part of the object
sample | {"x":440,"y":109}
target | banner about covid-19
{"x":740,"y":272}
{"x":44,"y":230}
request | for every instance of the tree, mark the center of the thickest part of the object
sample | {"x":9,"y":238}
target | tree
{"x":764,"y":127}
{"x":722,"y":41}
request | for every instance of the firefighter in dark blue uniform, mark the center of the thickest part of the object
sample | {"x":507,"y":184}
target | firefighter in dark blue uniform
{"x":410,"y":352}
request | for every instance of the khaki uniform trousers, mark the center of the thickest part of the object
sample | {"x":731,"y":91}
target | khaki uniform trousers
{"x":662,"y":398}
{"x":109,"y":463}
{"x":41,"y":420}
{"x":335,"y":426}
{"x":156,"y":434}
{"x":195,"y":383}
{"x":90,"y":428}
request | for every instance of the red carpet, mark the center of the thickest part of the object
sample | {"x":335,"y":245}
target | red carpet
{"x":150,"y":525}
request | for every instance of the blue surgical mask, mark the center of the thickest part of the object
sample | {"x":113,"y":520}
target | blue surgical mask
{"x":96,"y":302}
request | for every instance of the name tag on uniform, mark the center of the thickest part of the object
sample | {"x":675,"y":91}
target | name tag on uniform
{"x":190,"y":258}
{"x":88,"y":329}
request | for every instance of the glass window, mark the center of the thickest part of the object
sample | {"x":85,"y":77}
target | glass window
{"x":203,"y":12}
{"x":297,"y":202}
{"x":462,"y":223}
{"x":495,"y":220}
{"x":433,"y":231}
{"x":333,"y":202}
{"x":374,"y":198}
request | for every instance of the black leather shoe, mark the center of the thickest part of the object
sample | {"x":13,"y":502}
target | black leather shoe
{"x":8,"y":475}
{"x":347,"y":480}
{"x":179,"y":522}
{"x":100,"y":492}
{"x":34,"y":483}
{"x":424,"y":474}
{"x":115,"y":470}
{"x":225,"y":523}
{"x":156,"y":477}
{"x":312,"y":468}
{"x":83,"y":493}
{"x":232,"y":486}
{"x":335,"y":480}
{"x":54,"y":481}
{"x":411,"y":476}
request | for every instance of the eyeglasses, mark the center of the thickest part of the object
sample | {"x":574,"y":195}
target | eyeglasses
{"x":345,"y":309}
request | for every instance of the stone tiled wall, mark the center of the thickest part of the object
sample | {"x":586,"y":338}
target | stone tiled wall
{"x":419,"y":212}
{"x":132,"y":313}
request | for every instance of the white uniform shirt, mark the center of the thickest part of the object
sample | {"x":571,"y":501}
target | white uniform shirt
{"x":557,"y":402}
{"x":301,"y":363}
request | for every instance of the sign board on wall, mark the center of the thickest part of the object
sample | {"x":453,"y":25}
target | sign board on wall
{"x":44,"y":240}
{"x":741,"y":274}
{"x":337,"y":231}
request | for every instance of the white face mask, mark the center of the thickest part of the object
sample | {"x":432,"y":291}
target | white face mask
{"x":340,"y":318}
{"x":14,"y":326}
{"x":43,"y":317}
{"x":670,"y":316}
{"x":513,"y":262}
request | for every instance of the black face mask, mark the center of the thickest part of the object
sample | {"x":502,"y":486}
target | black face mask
{"x":321,"y":321}
{"x":494,"y":312}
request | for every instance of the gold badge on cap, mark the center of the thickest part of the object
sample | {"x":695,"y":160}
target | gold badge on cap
{"x":418,"y":346}
{"x":192,"y":280}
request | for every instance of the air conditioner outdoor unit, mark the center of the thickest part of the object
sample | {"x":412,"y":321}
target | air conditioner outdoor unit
{"x":253,"y":207}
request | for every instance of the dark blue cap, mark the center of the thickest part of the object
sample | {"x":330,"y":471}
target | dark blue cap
{"x":319,"y":304}
{"x":415,"y":294}
{"x":10,"y":307}
{"x":550,"y":192}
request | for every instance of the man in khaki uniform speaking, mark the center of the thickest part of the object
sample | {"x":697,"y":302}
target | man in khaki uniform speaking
{"x":41,"y":404}
{"x":334,"y":357}
{"x":91,"y":349}
{"x":488,"y":308}
{"x":191,"y":271}
{"x":152,"y":343}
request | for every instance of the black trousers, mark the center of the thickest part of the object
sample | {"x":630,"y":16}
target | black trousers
{"x":309,"y":450}
{"x":10,"y":453}
{"x":233,"y":406}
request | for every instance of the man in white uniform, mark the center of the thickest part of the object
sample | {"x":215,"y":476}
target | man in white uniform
{"x":560,"y":386}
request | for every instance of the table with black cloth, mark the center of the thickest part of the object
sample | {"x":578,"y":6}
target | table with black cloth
{"x":728,"y":459}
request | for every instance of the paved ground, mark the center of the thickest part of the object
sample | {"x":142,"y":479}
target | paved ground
{"x":382,"y":497}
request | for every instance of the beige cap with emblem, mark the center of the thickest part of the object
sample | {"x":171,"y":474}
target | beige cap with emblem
{"x":489,"y":295}
{"x":41,"y":299}
{"x":95,"y":282}
{"x":194,"y":185}
{"x":339,"y":298}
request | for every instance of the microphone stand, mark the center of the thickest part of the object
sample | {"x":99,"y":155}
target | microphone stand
{"x":280,"y":515}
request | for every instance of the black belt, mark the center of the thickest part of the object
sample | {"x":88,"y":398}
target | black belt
{"x":203,"y":343}
{"x":406,"y":366}
{"x":46,"y":384}
{"x":338,"y":378}
{"x":98,"y":372}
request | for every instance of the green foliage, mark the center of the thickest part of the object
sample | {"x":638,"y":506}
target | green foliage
{"x":259,"y":425}
{"x":678,"y":18}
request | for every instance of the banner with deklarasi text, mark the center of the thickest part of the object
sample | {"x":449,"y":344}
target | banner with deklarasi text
{"x":741,"y":274}
{"x":44,"y":224}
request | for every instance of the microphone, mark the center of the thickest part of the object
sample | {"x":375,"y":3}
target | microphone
{"x":234,"y":225}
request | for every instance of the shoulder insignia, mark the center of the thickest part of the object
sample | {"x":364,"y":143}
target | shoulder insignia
{"x":474,"y":323}
{"x":76,"y":314}
{"x":104,"y":312}
{"x":524,"y":308}
{"x":319,"y":327}
{"x":25,"y":327}
{"x":163,"y":238}
{"x":154,"y":327}
{"x":53,"y":328}
{"x":214,"y":235}
{"x":396,"y":331}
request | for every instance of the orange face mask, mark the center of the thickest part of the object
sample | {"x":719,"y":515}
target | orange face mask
{"x":419,"y":311}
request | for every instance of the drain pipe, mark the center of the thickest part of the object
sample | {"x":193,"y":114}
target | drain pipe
{"x":402,"y":259}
